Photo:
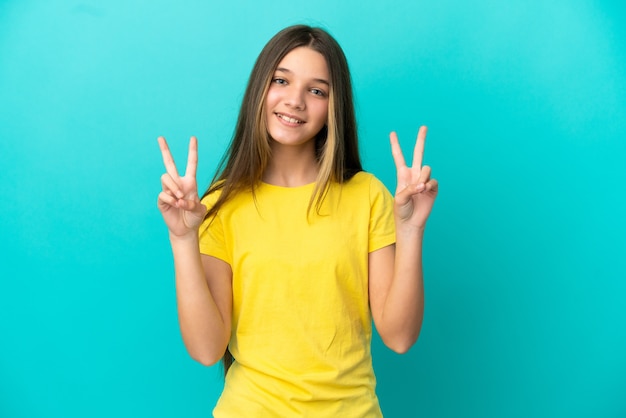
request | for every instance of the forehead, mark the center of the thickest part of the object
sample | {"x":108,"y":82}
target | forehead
{"x":305,"y":62}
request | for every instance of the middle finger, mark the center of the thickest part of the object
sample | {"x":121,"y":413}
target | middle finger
{"x":418,"y":151}
{"x":168,"y":160}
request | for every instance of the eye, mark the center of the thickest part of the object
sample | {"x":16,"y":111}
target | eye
{"x":318,"y":92}
{"x":279,"y":80}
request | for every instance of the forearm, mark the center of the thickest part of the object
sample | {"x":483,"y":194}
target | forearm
{"x":205,"y":332}
{"x":404,"y":305}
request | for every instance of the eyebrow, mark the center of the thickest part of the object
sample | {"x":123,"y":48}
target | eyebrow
{"x":319,"y":80}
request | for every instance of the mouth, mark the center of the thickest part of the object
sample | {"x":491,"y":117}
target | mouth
{"x":289,"y":119}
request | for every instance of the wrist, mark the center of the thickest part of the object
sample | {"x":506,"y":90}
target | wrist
{"x":189,"y":237}
{"x":409,"y":231}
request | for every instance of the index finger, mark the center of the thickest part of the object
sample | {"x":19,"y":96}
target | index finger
{"x":168,"y":160}
{"x":396,"y":151}
{"x":192,"y":158}
{"x":418,"y":151}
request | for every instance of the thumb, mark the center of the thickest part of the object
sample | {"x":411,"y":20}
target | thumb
{"x":192,"y":205}
{"x":404,"y":196}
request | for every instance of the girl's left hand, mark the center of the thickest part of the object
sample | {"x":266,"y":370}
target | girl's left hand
{"x":415,"y":190}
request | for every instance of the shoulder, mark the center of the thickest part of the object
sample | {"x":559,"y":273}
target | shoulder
{"x":360,"y":179}
{"x":210,"y":198}
{"x":225,"y":204}
{"x":365,"y":181}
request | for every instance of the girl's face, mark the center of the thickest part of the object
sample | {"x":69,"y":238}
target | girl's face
{"x":297,"y":100}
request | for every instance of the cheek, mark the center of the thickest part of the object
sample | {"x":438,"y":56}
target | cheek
{"x":321,"y":111}
{"x":270,"y":98}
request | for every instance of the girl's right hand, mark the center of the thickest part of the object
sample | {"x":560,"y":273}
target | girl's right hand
{"x":179,"y":202}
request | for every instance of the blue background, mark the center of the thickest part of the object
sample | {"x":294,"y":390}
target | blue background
{"x":525,"y":250}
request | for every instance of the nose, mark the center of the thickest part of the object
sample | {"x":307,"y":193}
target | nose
{"x":295,"y":98}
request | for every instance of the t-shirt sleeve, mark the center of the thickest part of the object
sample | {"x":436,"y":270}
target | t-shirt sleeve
{"x":211,"y":233}
{"x":382,"y":228}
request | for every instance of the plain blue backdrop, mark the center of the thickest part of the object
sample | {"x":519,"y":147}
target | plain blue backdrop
{"x":525,"y":251}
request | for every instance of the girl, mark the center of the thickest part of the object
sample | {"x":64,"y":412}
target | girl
{"x":293,"y":249}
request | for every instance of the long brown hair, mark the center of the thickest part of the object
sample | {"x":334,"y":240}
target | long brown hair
{"x":337,"y":151}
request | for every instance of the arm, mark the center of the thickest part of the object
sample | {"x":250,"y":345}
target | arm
{"x":204,"y":300}
{"x":395,"y":272}
{"x":203,"y":283}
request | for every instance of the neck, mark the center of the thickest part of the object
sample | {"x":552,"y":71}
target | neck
{"x":291,"y":166}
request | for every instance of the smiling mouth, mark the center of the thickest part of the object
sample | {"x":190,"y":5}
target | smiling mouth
{"x":289,"y":119}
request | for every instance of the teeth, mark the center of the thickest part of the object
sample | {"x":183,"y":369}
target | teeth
{"x":288,"y":119}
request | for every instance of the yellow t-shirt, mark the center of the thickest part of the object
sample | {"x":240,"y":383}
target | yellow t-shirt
{"x":301,"y":323}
